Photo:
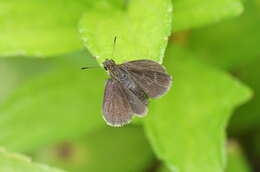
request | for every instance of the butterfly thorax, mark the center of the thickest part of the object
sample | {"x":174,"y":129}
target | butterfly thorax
{"x":120,"y":73}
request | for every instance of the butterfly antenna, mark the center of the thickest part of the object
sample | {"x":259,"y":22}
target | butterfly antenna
{"x":90,"y":67}
{"x":114,"y":45}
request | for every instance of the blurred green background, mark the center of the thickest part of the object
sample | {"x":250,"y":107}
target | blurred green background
{"x":50,"y":110}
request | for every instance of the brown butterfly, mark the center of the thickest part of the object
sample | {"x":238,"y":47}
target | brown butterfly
{"x":130,"y":86}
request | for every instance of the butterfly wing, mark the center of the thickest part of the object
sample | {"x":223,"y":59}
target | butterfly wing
{"x":138,"y":106}
{"x":150,"y":76}
{"x":144,"y":65}
{"x":116,"y":108}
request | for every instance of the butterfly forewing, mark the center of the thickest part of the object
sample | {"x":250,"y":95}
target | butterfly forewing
{"x":144,"y":65}
{"x":154,"y":84}
{"x":116,"y":107}
{"x":150,"y":76}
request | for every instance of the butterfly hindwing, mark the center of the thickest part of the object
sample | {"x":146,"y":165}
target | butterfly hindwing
{"x":120,"y":104}
{"x":137,"y":105}
{"x":116,"y":107}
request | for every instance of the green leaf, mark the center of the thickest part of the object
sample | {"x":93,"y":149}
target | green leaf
{"x":118,"y":149}
{"x":38,"y":27}
{"x":43,"y":28}
{"x":142,"y":29}
{"x":12,"y":162}
{"x":256,"y":144}
{"x":163,"y":168}
{"x":236,"y":160}
{"x":187,"y":126}
{"x":231,"y":43}
{"x":9,"y":77}
{"x":14,"y":71}
{"x":247,"y":117}
{"x":61,"y":103}
{"x":196,"y":13}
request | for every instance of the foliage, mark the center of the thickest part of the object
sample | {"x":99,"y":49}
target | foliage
{"x":51,"y":109}
{"x":12,"y":162}
{"x":150,"y":42}
{"x":87,"y":152}
{"x":237,"y":162}
{"x":198,"y":117}
{"x":230,"y":43}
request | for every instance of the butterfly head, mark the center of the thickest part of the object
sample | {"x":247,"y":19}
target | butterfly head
{"x":109,"y":65}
